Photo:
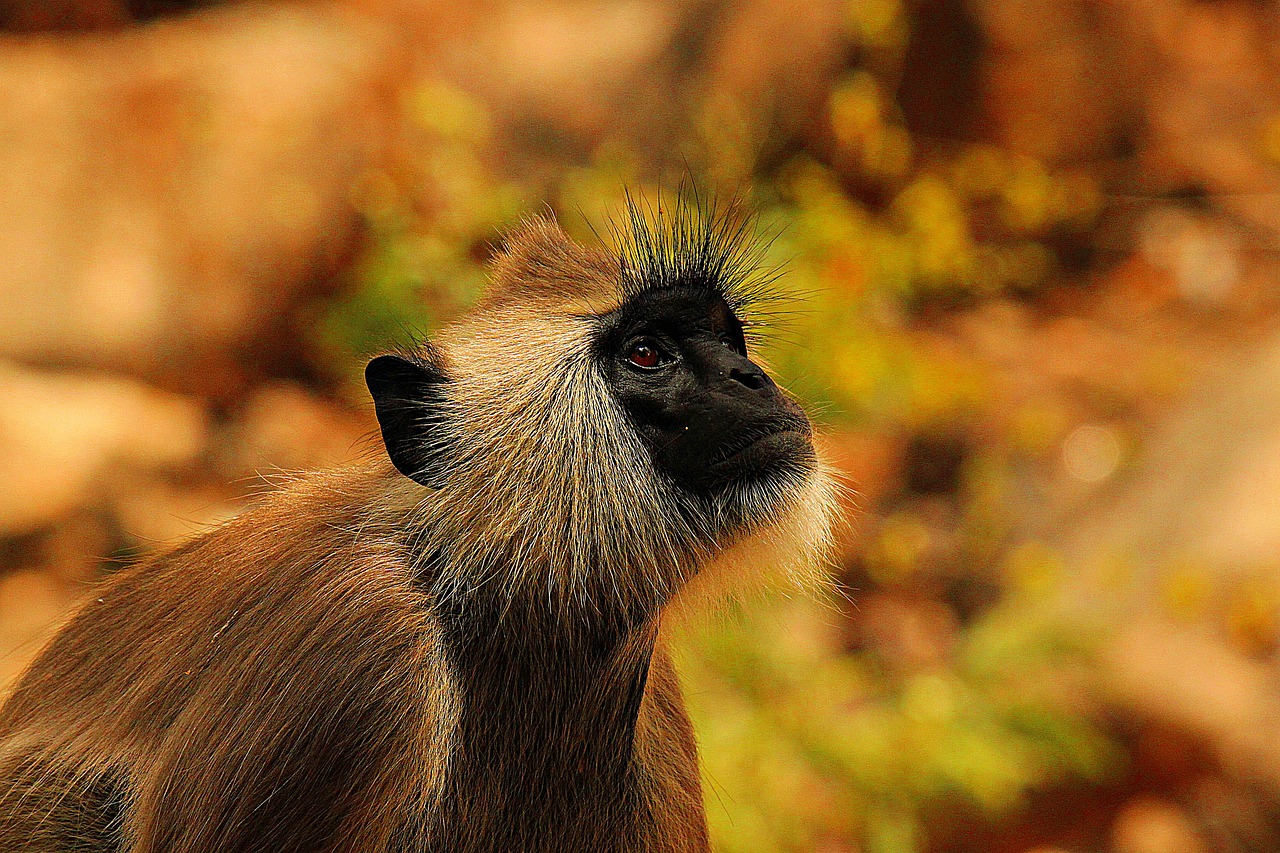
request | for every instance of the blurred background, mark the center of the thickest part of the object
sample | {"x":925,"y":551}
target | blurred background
{"x":1033,"y":248}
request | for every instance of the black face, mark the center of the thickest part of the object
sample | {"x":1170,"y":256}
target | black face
{"x":712,"y":418}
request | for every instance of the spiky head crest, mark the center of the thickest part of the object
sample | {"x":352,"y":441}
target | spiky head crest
{"x":694,"y":242}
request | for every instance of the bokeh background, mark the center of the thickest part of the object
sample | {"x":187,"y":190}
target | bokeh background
{"x":1033,"y":252}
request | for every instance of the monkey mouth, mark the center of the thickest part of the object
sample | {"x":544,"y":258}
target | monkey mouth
{"x":789,"y":445}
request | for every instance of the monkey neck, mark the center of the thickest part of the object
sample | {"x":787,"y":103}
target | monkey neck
{"x":579,"y":690}
{"x":545,"y":732}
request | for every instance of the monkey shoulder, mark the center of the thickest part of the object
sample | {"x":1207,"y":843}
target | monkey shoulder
{"x":306,"y":574}
{"x":274,"y":682}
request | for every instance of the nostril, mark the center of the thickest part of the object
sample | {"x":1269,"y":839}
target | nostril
{"x":753,"y":379}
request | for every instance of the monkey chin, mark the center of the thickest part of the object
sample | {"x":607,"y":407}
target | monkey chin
{"x":777,"y":523}
{"x":758,"y":479}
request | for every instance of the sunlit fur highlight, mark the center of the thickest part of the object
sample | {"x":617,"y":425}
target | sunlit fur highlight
{"x":788,"y":555}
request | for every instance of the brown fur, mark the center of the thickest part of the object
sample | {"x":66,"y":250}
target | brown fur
{"x":360,"y":664}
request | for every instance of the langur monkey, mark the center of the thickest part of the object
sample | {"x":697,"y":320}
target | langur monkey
{"x":458,"y":647}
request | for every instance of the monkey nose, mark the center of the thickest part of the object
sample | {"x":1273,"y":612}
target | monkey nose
{"x":751,"y":377}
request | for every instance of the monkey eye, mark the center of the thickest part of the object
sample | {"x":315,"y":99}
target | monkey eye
{"x":646,"y":354}
{"x":729,"y":343}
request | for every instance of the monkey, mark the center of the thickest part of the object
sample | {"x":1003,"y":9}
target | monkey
{"x":462,"y":644}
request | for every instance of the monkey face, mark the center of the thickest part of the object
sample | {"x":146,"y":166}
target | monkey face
{"x":712,"y":418}
{"x":600,"y":416}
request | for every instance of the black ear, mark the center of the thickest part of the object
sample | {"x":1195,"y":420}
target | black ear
{"x":408,"y":394}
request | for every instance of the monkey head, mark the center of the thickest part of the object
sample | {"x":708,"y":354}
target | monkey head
{"x":599,"y":417}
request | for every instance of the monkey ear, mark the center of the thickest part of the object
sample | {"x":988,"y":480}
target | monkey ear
{"x":408,"y":395}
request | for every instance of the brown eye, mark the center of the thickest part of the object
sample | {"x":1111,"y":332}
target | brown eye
{"x":645,"y":354}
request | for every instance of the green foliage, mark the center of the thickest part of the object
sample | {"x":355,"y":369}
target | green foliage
{"x":804,"y":746}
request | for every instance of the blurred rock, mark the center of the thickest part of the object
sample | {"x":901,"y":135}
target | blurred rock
{"x":64,"y":435}
{"x":284,"y":427}
{"x":31,"y":606}
{"x":169,"y":192}
{"x":1233,"y":817}
{"x":1050,"y":82}
{"x":1201,"y":254}
{"x":1206,"y":486}
{"x":1191,"y":680}
{"x":153,"y":513}
{"x":1148,"y":825}
{"x":26,"y":16}
{"x":561,"y":64}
